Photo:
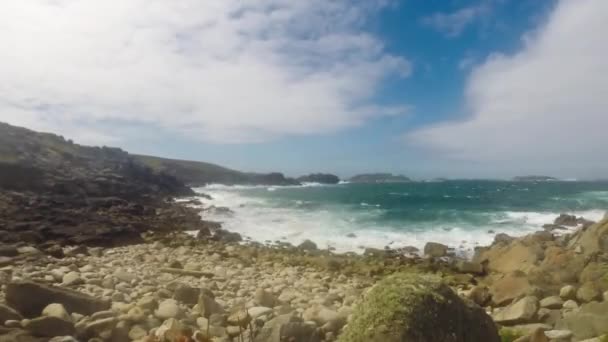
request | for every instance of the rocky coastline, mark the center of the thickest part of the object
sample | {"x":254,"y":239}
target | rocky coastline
{"x":168,"y":285}
{"x":95,"y":247}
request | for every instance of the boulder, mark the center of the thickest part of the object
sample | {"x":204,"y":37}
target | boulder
{"x":186,"y":294}
{"x":56,"y":310}
{"x":168,"y":308}
{"x":567,"y":292}
{"x":464,"y":266}
{"x":413,"y":307}
{"x":207,"y":306}
{"x":553,"y":302}
{"x":480,"y":295}
{"x":287,"y":328}
{"x":515,"y":256}
{"x":31,"y":298}
{"x":511,"y":286}
{"x":308,"y":245}
{"x":588,"y":322}
{"x":7,"y":313}
{"x":566,"y":220}
{"x":522,"y":311}
{"x":48,"y":326}
{"x":264,"y":298}
{"x":435,"y":250}
{"x":588,"y":292}
{"x":592,"y":240}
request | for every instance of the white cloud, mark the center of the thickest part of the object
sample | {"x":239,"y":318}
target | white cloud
{"x":220,"y":70}
{"x":543,"y":108}
{"x":454,"y":23}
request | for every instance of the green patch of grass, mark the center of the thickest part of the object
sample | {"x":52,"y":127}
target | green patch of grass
{"x":509,"y":335}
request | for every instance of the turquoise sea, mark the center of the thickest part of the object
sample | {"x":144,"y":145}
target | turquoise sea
{"x":462,"y":214}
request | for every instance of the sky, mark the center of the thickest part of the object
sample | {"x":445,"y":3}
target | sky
{"x":426,"y":88}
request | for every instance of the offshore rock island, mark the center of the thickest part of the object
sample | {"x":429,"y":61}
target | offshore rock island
{"x":101,"y":245}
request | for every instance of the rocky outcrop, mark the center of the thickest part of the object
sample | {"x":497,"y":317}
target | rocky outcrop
{"x":323,"y":178}
{"x":30,"y":299}
{"x":411,"y":307}
{"x":379,"y":178}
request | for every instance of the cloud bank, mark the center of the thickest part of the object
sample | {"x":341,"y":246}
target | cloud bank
{"x":227,"y":71}
{"x":543,"y":108}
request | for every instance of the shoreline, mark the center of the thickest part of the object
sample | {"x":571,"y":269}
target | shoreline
{"x":153,"y":288}
{"x":211,"y":210}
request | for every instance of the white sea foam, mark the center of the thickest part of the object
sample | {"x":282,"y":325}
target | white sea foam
{"x":262,"y":219}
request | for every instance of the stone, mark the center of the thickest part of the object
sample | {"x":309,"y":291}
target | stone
{"x":125,"y":276}
{"x":239,"y":318}
{"x":56,"y":310}
{"x":553,"y":302}
{"x":170,"y":330}
{"x":31,"y":298}
{"x":435,"y":250}
{"x":464,"y":266}
{"x":168,"y":308}
{"x":591,"y":320}
{"x":480,"y":295}
{"x":147,"y":303}
{"x":99,"y":326}
{"x":137,"y":332}
{"x":538,"y":335}
{"x":186,"y":294}
{"x":321,"y":315}
{"x":414,"y":307}
{"x":135,"y":315}
{"x":8,"y":251}
{"x":522,"y":311}
{"x":308,"y":245}
{"x":7,"y":313}
{"x":510,"y":287}
{"x":258,"y":311}
{"x":567,"y":292}
{"x":207,"y":306}
{"x":559,"y":334}
{"x":72,"y":278}
{"x":587,"y":292}
{"x":47,"y":326}
{"x":287,"y":328}
{"x":264,"y":298}
{"x":570,"y":305}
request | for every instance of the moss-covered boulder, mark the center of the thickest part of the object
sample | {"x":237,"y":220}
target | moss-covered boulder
{"x":417,"y":308}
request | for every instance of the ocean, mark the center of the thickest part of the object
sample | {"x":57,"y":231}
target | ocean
{"x":351,"y":217}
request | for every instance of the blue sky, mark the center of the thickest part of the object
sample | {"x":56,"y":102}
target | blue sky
{"x":465,"y":88}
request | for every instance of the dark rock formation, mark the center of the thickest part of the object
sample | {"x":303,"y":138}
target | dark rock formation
{"x":31,"y":298}
{"x":323,"y":178}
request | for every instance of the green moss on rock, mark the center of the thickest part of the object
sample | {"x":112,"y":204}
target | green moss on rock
{"x":417,"y":308}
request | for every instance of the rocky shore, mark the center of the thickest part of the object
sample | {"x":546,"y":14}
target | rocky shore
{"x":176,"y":287}
{"x":93,"y":247}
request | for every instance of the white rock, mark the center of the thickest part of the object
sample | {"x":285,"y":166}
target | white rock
{"x":56,"y":310}
{"x":168,"y":309}
{"x":558,"y":334}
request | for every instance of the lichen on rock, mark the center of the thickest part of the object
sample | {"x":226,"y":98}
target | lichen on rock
{"x":417,"y":308}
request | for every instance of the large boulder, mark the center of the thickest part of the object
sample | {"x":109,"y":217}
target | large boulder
{"x":590,"y":321}
{"x":522,"y":311}
{"x":592,"y":240}
{"x":435,"y":250}
{"x":515,"y":256}
{"x":509,"y":287}
{"x":417,"y":308}
{"x":31,"y":298}
{"x":287,"y":328}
